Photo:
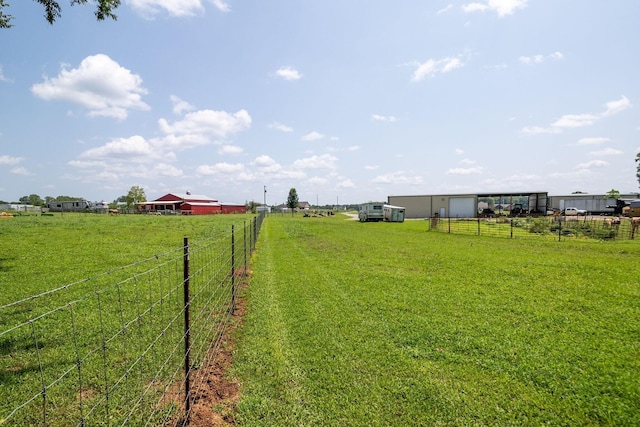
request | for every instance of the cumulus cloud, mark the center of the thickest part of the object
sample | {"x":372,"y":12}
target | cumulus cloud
{"x":580,"y":120}
{"x":2,"y":77}
{"x":538,"y":59}
{"x":592,"y":164}
{"x":345,"y":183}
{"x":202,"y":127}
{"x":465,"y":171}
{"x":280,"y":127}
{"x":230,"y":149}
{"x":220,"y":168}
{"x":178,"y":8}
{"x":400,"y":177}
{"x":180,"y":106}
{"x":130,"y":149}
{"x":431,"y":67}
{"x":221,"y":5}
{"x":325,"y":161}
{"x":380,"y":118}
{"x":8,"y":160}
{"x":593,"y":141}
{"x":99,"y":84}
{"x":501,"y":7}
{"x":288,"y":73}
{"x":21,"y":171}
{"x":313,"y":136}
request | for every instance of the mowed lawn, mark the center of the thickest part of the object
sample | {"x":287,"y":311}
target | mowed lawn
{"x":382,"y":324}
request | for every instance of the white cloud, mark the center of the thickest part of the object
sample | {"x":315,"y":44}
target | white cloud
{"x":431,"y":67}
{"x":288,"y":73}
{"x":465,"y":171}
{"x":592,"y":164}
{"x":400,"y":177}
{"x":150,"y":8}
{"x":199,"y":127}
{"x":180,"y":106}
{"x":2,"y":77}
{"x":459,"y":151}
{"x":325,"y":161}
{"x":21,"y":171}
{"x":164,"y":169}
{"x":445,"y":9}
{"x":345,"y":183}
{"x":316,"y":180}
{"x":580,"y":120}
{"x":8,"y":160}
{"x":501,"y":7}
{"x":607,"y":152}
{"x":313,"y":136}
{"x":221,"y":5}
{"x":593,"y":141}
{"x":371,"y":167}
{"x":379,"y":118}
{"x":135,"y":148}
{"x":280,"y":127}
{"x":99,"y":84}
{"x":468,"y":162}
{"x":230,"y":149}
{"x":576,"y":120}
{"x":220,"y":168}
{"x":614,"y":107}
{"x":537,"y":59}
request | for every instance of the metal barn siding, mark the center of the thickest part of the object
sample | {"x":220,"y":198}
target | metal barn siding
{"x":415,"y":206}
{"x":191,"y":208}
{"x":229,"y":209}
{"x":463,"y":207}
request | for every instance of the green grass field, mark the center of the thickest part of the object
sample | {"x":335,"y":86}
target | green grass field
{"x":381,"y":324}
{"x":103,"y":340}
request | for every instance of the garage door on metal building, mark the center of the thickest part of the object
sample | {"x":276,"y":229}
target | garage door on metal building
{"x":462,"y":207}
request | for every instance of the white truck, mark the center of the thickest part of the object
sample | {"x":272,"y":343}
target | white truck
{"x":574,"y":211}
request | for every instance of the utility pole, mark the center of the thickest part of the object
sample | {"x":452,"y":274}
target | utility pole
{"x":265,"y":198}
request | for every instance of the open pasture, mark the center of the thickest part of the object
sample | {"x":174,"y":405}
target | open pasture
{"x":378,"y":324}
{"x":92,"y":310}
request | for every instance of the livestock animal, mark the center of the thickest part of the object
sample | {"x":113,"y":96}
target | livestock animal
{"x":635,"y":223}
{"x":113,"y":212}
{"x":609,"y":222}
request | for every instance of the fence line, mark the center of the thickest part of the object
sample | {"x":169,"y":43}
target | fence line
{"x":550,"y":227}
{"x":120,"y":348}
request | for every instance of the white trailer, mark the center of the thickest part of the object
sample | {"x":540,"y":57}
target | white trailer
{"x":371,"y":212}
{"x":393,"y":213}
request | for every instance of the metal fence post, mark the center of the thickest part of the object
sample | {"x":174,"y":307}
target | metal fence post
{"x":187,"y":330}
{"x":233,"y":269}
{"x":478,"y":226}
{"x":244,"y":238}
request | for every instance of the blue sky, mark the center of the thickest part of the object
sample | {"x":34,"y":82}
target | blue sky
{"x":346,"y":101}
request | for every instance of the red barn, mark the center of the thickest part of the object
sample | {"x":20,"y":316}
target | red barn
{"x":188,"y":204}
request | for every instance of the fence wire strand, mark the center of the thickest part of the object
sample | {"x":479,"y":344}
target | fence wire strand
{"x":113,"y":352}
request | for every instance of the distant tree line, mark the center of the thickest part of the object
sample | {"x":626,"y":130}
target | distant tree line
{"x":135,"y":195}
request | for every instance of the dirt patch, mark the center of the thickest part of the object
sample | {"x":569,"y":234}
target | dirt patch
{"x":215,"y":394}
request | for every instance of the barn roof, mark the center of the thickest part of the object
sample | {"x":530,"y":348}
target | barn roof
{"x":185,"y":197}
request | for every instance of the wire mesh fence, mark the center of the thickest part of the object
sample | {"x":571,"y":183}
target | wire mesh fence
{"x":120,"y":348}
{"x":549,"y":227}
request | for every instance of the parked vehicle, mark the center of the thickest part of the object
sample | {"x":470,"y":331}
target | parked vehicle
{"x":371,"y":212}
{"x":574,"y":211}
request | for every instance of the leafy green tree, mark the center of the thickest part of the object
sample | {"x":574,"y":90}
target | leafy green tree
{"x":52,"y":10}
{"x":32,"y":199}
{"x":135,"y":195}
{"x":292,"y":199}
{"x":612,"y":194}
